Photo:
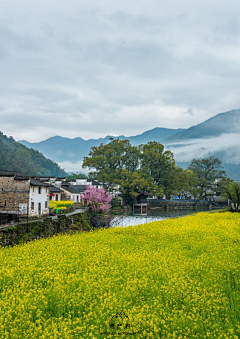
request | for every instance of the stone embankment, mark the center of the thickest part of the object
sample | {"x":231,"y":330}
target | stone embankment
{"x":41,"y":228}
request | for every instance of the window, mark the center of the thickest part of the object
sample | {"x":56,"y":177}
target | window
{"x":32,"y":205}
{"x":56,"y":197}
{"x":46,"y":204}
{"x":39,"y":190}
{"x":33,"y":188}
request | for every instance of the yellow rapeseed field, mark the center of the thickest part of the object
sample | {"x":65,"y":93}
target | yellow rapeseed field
{"x":169,"y":279}
{"x":62,"y":204}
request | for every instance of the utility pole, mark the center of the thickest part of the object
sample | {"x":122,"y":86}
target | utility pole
{"x":27,"y":218}
{"x":18,"y":220}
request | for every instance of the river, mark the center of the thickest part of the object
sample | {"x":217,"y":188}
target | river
{"x":152,"y":215}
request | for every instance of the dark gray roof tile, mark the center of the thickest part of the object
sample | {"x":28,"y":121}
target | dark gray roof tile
{"x":34,"y":182}
{"x":55,"y":189}
{"x":70,"y":189}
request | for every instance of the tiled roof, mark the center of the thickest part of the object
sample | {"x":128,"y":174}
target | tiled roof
{"x":34,"y":182}
{"x":79,"y":188}
{"x":67,"y":184}
{"x":42,"y":177}
{"x":5,"y":173}
{"x":55,"y":189}
{"x":21,"y":177}
{"x":70,"y":189}
{"x":97,"y":183}
{"x":15,"y":174}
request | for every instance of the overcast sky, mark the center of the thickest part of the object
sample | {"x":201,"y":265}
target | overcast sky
{"x":95,"y":68}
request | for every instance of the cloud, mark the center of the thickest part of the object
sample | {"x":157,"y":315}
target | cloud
{"x":189,"y":111}
{"x":94,"y":68}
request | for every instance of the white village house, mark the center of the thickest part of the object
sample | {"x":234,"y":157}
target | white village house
{"x":69,"y":193}
{"x":38,"y":198}
{"x":21,"y":196}
{"x":55,"y":193}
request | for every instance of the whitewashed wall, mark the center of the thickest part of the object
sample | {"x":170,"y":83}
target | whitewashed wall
{"x":79,"y":182}
{"x":75,"y":197}
{"x":37,"y":198}
{"x":59,"y":194}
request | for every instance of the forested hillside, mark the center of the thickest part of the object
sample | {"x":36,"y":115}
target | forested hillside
{"x":17,"y":157}
{"x":232,"y":170}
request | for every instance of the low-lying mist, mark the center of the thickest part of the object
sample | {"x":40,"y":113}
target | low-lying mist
{"x":226,"y":147}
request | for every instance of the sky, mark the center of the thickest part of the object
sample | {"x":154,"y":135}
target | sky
{"x":95,"y":68}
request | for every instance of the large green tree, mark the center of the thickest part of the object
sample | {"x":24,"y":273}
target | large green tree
{"x":231,"y":190}
{"x":131,"y":184}
{"x":181,"y":182}
{"x":119,"y":164}
{"x":208,"y":172}
{"x":160,"y":165}
{"x":193,"y":183}
{"x":107,"y":160}
{"x":76,"y":176}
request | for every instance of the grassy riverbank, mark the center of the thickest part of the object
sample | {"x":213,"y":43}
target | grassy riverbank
{"x":177,"y":278}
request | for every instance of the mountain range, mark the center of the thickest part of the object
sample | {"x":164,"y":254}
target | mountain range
{"x":217,"y":136}
{"x":59,"y":148}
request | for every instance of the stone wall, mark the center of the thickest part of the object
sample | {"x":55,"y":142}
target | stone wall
{"x":14,"y":195}
{"x":40,"y":229}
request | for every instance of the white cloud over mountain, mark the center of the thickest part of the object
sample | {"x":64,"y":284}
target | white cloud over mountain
{"x":93,"y":68}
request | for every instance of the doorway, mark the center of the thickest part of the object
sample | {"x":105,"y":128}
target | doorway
{"x":39,"y":209}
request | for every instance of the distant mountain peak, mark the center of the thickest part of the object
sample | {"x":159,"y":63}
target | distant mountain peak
{"x":227,"y":122}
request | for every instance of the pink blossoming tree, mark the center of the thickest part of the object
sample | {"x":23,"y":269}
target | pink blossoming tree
{"x":97,"y":199}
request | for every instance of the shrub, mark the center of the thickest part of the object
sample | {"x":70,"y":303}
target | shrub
{"x":115,"y":202}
